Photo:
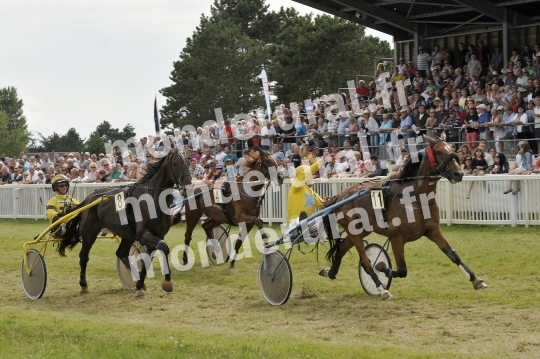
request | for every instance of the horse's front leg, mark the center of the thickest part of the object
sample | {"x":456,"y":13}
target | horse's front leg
{"x":259,"y":223}
{"x":437,"y":237}
{"x":151,"y":242}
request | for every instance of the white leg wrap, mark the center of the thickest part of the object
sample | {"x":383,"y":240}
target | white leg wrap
{"x":467,"y":275}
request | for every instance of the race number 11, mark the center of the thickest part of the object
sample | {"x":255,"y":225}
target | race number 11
{"x":119,"y":201}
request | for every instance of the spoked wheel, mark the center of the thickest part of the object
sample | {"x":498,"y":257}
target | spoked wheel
{"x":34,"y":284}
{"x":221,"y":245}
{"x":376,"y":254}
{"x":124,"y":273}
{"x":275,"y":279}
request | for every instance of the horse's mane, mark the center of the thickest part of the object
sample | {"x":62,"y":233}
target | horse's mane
{"x":150,"y":170}
{"x":409,"y":169}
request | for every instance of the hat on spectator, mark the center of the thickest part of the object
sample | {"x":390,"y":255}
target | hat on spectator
{"x":70,"y":154}
{"x":495,"y":73}
{"x":87,"y":153}
{"x":101,"y":169}
{"x":500,"y":108}
{"x":481,"y":106}
{"x":219,"y":165}
{"x":101,"y":155}
{"x":403,"y":109}
{"x":340,"y":155}
{"x":366,"y":112}
{"x":118,"y":164}
{"x":65,"y":155}
{"x":471,"y":105}
{"x":436,"y":99}
{"x":451,"y":112}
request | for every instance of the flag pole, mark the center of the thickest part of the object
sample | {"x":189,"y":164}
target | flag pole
{"x":156,"y":117}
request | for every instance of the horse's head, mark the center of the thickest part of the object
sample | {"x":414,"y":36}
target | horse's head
{"x":443,"y":159}
{"x":179,"y":168}
{"x":267,"y":162}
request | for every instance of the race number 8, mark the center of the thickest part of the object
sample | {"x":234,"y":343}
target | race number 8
{"x":119,"y":201}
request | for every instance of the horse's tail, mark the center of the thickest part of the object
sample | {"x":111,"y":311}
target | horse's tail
{"x":71,"y":238}
{"x":334,"y":242}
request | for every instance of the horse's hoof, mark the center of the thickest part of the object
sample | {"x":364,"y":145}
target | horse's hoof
{"x":167,"y":286}
{"x":386,"y":295}
{"x":478,"y":284}
{"x":140,"y":294}
{"x":84,"y":290}
{"x":324,"y":272}
{"x":231,"y":266}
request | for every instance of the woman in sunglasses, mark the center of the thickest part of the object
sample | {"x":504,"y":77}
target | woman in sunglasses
{"x":62,"y":202}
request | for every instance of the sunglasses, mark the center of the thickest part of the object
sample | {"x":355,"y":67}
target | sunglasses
{"x":62,"y":185}
{"x":105,"y":165}
{"x":403,"y":151}
{"x":468,"y":159}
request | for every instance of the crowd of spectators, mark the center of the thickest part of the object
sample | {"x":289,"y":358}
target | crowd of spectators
{"x":468,"y":97}
{"x":78,"y":167}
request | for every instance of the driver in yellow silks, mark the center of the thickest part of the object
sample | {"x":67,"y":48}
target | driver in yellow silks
{"x":61,"y":203}
{"x":302,"y":198}
{"x":303,"y":201}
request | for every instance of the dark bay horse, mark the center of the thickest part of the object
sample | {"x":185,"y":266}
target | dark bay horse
{"x":143,"y":218}
{"x":410,"y":213}
{"x":242,"y":208}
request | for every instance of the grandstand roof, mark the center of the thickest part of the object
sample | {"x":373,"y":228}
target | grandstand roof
{"x":403,"y":18}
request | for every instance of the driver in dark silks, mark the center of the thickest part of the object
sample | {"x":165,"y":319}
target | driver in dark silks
{"x":61,"y":204}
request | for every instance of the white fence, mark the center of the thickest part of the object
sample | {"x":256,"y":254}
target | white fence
{"x":487,"y":205}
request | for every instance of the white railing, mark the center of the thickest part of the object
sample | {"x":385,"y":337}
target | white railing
{"x":487,"y":204}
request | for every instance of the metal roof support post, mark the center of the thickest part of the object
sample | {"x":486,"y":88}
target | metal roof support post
{"x":509,"y":38}
{"x":418,"y":41}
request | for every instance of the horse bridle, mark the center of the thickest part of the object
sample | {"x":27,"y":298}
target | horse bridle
{"x":178,"y":182}
{"x":442,"y":168}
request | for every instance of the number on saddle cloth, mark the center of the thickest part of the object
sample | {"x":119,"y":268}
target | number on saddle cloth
{"x":220,"y":190}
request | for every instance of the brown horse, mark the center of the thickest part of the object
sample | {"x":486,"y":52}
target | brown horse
{"x":410,"y":210}
{"x":243,"y":207}
{"x":148,"y":224}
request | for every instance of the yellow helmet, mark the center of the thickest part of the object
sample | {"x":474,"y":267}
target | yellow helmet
{"x":57,"y":180}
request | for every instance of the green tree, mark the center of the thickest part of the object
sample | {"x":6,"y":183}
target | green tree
{"x":17,"y":134}
{"x":95,"y":143}
{"x":316,"y":57}
{"x":127,"y":132}
{"x":218,"y":68}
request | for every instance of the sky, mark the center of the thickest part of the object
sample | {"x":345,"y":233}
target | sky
{"x":78,"y":63}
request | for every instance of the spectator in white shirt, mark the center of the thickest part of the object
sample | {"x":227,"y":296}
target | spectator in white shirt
{"x":268,"y":133}
{"x":32,"y":176}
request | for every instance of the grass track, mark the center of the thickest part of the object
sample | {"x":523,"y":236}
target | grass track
{"x":215,"y":312}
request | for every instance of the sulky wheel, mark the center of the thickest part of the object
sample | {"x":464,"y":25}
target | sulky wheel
{"x":376,"y":254}
{"x":124,"y":274}
{"x":221,"y":245}
{"x":34,"y":284}
{"x":275,"y":278}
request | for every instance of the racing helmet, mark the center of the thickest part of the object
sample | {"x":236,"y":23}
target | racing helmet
{"x":57,"y":180}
